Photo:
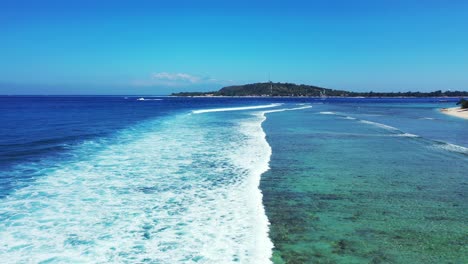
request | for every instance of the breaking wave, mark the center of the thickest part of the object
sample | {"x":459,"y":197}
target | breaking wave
{"x":234,"y":108}
{"x":161,"y":192}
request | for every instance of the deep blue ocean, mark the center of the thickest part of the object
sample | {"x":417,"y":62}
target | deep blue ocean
{"x":185,"y":180}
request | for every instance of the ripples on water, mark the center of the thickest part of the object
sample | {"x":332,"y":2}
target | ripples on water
{"x":122,"y":180}
{"x":180,"y":190}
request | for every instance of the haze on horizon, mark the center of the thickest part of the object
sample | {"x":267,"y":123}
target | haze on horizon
{"x":160,"y":47}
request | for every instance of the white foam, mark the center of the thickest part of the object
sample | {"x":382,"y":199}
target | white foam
{"x":378,"y":125}
{"x":328,"y":113}
{"x":452,"y":148}
{"x":234,"y":108}
{"x":407,"y":135}
{"x":258,"y":163}
{"x":286,"y":109}
{"x":149,"y":99}
{"x":176,"y":192}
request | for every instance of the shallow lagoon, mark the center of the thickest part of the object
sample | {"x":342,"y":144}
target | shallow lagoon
{"x":343,"y":190}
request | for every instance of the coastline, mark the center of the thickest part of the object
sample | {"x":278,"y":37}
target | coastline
{"x":455,"y":111}
{"x":442,"y":99}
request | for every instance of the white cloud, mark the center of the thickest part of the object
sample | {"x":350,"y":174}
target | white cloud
{"x":176,"y":79}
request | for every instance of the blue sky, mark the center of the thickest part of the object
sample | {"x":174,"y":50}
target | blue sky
{"x":159,"y":47}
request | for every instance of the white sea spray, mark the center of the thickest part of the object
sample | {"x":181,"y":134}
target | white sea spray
{"x":177,"y":192}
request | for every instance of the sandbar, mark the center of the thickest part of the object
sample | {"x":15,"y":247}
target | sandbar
{"x":456,"y":111}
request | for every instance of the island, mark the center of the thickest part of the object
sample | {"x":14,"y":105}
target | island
{"x":301,"y":90}
{"x":461,"y":112}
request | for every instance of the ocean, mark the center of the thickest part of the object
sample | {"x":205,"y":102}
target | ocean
{"x":232,"y":180}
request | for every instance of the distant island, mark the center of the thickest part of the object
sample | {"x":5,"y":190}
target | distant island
{"x":302,"y":90}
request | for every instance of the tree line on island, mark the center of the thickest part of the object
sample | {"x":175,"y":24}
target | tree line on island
{"x":298,"y":90}
{"x":463,"y":103}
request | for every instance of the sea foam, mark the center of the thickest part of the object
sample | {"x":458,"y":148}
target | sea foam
{"x":451,"y":147}
{"x":149,"y":99}
{"x":286,"y":109}
{"x":378,"y":125}
{"x":234,"y":108}
{"x":165,"y":192}
{"x":408,"y":135}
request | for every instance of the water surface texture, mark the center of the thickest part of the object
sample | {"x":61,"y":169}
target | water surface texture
{"x":231,"y":180}
{"x":367,"y":183}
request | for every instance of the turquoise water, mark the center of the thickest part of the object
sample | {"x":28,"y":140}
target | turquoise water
{"x":226,"y":180}
{"x":343,"y":188}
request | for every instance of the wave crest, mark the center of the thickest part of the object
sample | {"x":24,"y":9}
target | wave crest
{"x":202,"y":111}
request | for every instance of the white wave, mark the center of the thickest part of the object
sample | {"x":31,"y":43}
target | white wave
{"x":407,"y":135}
{"x":378,"y":125}
{"x":258,"y":164}
{"x":154,"y":195}
{"x":452,"y":148}
{"x":328,"y":113}
{"x":286,"y":109}
{"x":234,"y":108}
{"x":427,"y":118}
{"x":149,"y":99}
{"x":349,"y":118}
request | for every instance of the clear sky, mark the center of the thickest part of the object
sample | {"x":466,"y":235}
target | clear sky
{"x":159,"y":47}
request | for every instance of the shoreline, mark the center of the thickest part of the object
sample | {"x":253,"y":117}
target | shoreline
{"x":443,"y":98}
{"x":456,"y":112}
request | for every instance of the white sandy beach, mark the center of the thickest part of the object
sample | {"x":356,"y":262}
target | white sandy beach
{"x":455,"y":111}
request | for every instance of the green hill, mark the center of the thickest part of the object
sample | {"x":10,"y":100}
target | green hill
{"x":291,"y":89}
{"x":276,"y":89}
{"x":268,"y":89}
